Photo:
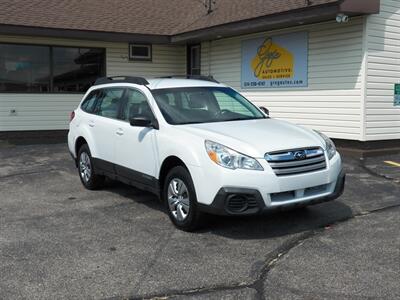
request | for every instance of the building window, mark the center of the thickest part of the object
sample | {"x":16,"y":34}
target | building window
{"x":193,"y":59}
{"x":140,"y":52}
{"x":24,"y":68}
{"x":76,"y":69}
{"x":43,"y":69}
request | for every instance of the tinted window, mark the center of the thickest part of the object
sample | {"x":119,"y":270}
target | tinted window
{"x":204,"y":105}
{"x":89,"y":102}
{"x":136,"y":105}
{"x":109,"y":102}
{"x":31,"y":68}
{"x":75,"y":69}
{"x":140,"y":52}
{"x":24,"y":68}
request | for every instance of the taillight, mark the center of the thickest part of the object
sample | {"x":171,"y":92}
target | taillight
{"x":72,"y":116}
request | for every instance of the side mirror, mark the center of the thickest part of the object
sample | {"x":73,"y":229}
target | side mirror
{"x":143,"y":122}
{"x":265,"y":110}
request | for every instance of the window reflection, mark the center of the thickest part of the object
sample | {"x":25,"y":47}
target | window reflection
{"x":75,"y":69}
{"x":31,"y":68}
{"x":24,"y":68}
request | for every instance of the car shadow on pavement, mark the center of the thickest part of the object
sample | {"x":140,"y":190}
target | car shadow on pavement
{"x":279,"y":223}
{"x":267,"y":225}
{"x":134,"y":194}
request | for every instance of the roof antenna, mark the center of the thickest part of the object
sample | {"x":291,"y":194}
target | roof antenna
{"x":210,"y":5}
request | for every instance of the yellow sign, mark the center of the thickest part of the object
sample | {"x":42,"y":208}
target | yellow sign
{"x":278,"y":61}
{"x":272,"y":62}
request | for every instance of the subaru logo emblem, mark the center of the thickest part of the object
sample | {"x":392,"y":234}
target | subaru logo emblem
{"x":299,"y":155}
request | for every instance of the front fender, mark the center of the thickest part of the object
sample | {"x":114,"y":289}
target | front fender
{"x":190,"y":149}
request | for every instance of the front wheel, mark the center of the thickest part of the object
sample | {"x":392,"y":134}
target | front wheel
{"x":180,"y":199}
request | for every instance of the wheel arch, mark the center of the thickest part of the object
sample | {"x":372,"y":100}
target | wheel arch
{"x":169,"y":163}
{"x":80,"y":141}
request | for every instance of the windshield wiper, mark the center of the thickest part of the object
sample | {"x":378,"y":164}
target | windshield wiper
{"x":218,"y":121}
{"x":187,"y":123}
{"x":241,"y":119}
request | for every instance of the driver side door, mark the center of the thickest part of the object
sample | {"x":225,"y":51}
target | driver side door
{"x":135,"y":147}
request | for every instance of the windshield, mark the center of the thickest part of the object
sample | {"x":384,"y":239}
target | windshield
{"x":204,"y":105}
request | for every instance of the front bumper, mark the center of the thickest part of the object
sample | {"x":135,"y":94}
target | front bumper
{"x":242,"y":201}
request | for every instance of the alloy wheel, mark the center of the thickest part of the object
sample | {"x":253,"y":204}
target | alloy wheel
{"x":85,"y":167}
{"x":178,"y":199}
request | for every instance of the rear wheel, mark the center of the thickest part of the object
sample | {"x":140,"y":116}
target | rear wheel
{"x":180,"y":199}
{"x":87,"y":174}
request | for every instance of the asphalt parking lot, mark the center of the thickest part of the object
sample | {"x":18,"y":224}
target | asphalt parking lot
{"x":60,"y":241}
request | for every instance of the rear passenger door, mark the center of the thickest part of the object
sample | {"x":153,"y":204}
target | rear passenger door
{"x":136,"y":146}
{"x":103,"y":124}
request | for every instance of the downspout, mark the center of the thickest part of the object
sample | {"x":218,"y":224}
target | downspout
{"x":364,"y":81}
{"x":209,"y":57}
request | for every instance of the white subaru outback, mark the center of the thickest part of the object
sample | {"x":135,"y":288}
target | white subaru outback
{"x":201,"y":147}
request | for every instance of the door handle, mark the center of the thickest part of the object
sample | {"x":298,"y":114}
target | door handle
{"x":120,"y":132}
{"x":91,"y":123}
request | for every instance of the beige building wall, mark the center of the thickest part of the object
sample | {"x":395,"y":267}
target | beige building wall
{"x":332,"y":102}
{"x":382,"y":35}
{"x":51,"y":111}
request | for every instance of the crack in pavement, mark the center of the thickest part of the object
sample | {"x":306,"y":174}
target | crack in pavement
{"x":163,"y":242}
{"x":28,"y":173}
{"x":271,"y":260}
{"x":324,"y":295}
{"x":370,"y":171}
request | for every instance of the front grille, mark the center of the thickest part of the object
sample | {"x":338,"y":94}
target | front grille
{"x":296,"y":161}
{"x":284,"y":196}
{"x":295,"y":194}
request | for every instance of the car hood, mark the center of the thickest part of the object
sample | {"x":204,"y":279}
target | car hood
{"x":256,"y":137}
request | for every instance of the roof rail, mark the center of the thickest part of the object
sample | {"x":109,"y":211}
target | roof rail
{"x":198,"y":77}
{"x":121,"y":79}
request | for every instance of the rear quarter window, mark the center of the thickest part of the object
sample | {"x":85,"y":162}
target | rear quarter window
{"x":109,"y":102}
{"x":89,"y":103}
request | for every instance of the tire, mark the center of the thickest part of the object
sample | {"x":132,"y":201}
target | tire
{"x":184,"y":214}
{"x":89,"y":178}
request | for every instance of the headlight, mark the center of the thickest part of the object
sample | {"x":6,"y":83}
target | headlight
{"x":330,"y":146}
{"x":229,"y":158}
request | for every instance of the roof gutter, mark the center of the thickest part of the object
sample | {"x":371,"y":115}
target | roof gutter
{"x":85,"y":34}
{"x":306,"y":15}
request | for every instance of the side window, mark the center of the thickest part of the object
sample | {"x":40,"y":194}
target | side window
{"x":89,"y":102}
{"x":109,"y":102}
{"x":136,"y":105}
